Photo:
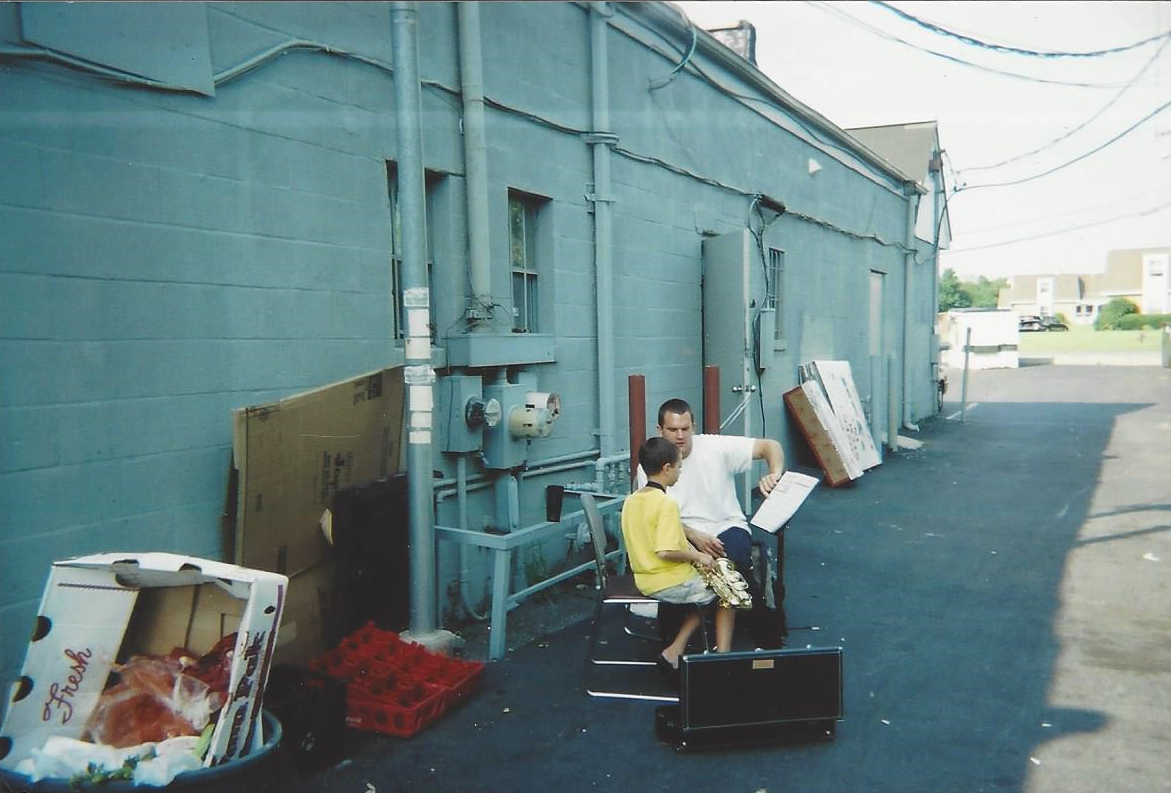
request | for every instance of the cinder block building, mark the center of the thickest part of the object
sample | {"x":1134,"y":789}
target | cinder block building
{"x":200,"y":210}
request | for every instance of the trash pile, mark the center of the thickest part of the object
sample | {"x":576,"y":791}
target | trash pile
{"x":129,"y":675}
{"x":393,"y":686}
{"x":151,"y":725}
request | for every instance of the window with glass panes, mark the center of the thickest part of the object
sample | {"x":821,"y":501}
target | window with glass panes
{"x":522,"y":236}
{"x":774,"y":296}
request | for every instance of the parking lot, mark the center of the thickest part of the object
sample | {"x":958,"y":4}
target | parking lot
{"x":1000,"y":594}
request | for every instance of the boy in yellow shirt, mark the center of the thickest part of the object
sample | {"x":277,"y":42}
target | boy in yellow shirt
{"x":660,"y":555}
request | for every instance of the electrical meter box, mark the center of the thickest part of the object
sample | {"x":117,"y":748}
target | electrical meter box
{"x":503,"y":449}
{"x":455,"y":394}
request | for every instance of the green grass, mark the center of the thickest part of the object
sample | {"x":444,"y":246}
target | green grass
{"x":1086,"y":339}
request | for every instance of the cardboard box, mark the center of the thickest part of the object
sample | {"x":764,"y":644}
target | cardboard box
{"x":292,"y":456}
{"x":817,"y":423}
{"x":306,"y":625}
{"x":99,"y":610}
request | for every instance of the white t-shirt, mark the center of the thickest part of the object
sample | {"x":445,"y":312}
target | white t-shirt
{"x":706,"y":491}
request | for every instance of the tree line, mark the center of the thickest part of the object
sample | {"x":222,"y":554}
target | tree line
{"x":982,"y":293}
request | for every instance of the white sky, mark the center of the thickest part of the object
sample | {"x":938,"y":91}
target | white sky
{"x":855,"y":77}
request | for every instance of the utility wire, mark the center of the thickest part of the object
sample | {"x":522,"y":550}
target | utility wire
{"x":942,"y":31}
{"x":1004,"y":73}
{"x":1079,"y":158}
{"x":1062,"y":216}
{"x":1085,"y":123}
{"x":1066,"y":230}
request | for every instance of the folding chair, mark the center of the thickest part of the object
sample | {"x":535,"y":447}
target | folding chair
{"x":617,"y":591}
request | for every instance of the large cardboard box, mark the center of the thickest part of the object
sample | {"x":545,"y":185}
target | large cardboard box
{"x":817,"y":423}
{"x":292,"y":455}
{"x":99,"y":610}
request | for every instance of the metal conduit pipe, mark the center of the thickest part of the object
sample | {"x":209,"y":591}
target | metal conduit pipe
{"x":417,"y":372}
{"x":461,"y":475}
{"x":601,"y":140}
{"x":534,"y":469}
{"x":471,"y":73}
{"x":602,"y":463}
{"x":908,"y":292}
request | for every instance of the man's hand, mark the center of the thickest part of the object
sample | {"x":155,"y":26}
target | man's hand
{"x":768,"y":482}
{"x":774,"y":456}
{"x":705,"y":543}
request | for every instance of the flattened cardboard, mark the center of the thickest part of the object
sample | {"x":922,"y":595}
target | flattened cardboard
{"x":292,"y":456}
{"x":84,"y":627}
{"x":305,"y":627}
{"x":837,"y":380}
{"x":801,"y":404}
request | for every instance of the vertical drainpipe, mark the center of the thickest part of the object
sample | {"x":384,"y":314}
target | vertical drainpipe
{"x":601,"y":140}
{"x":471,"y":74}
{"x":417,"y":374}
{"x":475,"y":139}
{"x":908,"y":269}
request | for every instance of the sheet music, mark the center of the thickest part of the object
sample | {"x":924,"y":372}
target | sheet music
{"x":784,"y":500}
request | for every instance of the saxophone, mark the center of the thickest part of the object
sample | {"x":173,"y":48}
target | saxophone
{"x":726,"y":581}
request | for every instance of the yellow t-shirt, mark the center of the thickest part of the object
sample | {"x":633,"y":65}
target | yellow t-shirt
{"x":650,"y":523}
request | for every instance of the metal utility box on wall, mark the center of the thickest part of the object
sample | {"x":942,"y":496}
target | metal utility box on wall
{"x":454,"y":433}
{"x":503,"y":449}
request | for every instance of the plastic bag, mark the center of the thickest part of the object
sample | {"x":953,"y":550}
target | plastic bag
{"x":161,"y":697}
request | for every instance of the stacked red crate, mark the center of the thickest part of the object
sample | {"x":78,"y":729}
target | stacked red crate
{"x":395,"y":687}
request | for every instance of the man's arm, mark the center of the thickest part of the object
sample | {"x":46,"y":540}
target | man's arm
{"x":771,"y":452}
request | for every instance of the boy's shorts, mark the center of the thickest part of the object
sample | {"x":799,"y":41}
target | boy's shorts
{"x":691,"y":591}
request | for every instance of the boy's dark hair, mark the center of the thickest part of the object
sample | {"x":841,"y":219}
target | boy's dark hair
{"x":655,"y":453}
{"x":678,"y":406}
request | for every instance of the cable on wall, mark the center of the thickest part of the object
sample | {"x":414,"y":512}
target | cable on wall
{"x":268,"y":56}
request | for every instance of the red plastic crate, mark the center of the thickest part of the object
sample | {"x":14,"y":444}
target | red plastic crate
{"x":395,"y":687}
{"x":401,"y":712}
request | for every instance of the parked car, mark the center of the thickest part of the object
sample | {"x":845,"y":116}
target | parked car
{"x":1032,"y":322}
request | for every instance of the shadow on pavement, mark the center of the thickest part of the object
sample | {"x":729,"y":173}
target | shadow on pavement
{"x":939,"y":573}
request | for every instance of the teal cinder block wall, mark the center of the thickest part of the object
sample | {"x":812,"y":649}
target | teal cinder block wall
{"x":166,"y":257}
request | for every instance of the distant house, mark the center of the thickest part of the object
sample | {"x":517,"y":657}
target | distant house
{"x":1139,"y":274}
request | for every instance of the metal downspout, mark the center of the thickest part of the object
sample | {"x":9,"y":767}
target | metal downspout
{"x":908,"y":270}
{"x":417,"y":373}
{"x":471,"y":74}
{"x":601,"y":140}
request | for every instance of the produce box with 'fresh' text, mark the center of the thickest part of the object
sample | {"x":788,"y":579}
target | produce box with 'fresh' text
{"x":98,"y":611}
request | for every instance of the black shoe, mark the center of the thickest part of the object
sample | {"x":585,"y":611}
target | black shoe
{"x":670,"y":673}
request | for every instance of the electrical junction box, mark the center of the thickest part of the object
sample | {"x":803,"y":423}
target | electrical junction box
{"x":503,"y":449}
{"x":455,"y":394}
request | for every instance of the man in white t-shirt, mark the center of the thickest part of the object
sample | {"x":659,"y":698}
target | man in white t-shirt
{"x":713,"y":519}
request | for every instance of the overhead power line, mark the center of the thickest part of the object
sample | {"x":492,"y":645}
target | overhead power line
{"x":1066,"y":230}
{"x":1085,"y":123}
{"x":1079,"y":158}
{"x":952,"y":58}
{"x":975,"y":42}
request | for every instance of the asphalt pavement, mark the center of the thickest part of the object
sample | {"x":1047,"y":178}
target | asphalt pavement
{"x":1000,"y":594}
